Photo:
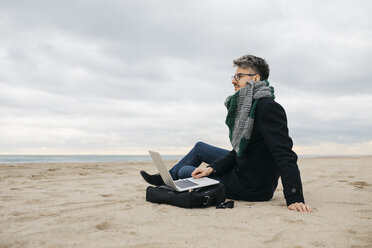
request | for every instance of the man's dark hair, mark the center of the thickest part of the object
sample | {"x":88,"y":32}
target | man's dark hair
{"x":257,"y":64}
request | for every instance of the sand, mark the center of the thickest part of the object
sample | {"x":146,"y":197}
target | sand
{"x":103,"y":205}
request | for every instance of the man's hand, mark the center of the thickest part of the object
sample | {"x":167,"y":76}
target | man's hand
{"x":299,"y":206}
{"x":201,"y":172}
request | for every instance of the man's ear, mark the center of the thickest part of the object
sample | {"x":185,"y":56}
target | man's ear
{"x":257,"y":78}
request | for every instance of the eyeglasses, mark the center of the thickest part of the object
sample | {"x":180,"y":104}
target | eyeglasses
{"x":239,"y":75}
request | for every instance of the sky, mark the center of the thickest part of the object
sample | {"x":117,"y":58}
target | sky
{"x":123,"y":77}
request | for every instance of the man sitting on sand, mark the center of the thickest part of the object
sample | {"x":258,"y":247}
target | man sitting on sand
{"x":262,"y":149}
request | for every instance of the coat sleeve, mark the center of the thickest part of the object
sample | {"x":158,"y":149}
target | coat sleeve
{"x":224,"y":164}
{"x":274,"y":130}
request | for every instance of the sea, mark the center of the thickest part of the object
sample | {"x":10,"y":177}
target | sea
{"x":17,"y":159}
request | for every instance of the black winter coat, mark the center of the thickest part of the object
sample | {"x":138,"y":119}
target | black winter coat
{"x":270,"y":156}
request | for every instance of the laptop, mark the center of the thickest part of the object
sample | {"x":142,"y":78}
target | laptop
{"x":181,"y":184}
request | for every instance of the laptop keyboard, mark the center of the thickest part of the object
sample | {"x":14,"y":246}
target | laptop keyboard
{"x":185,"y":183}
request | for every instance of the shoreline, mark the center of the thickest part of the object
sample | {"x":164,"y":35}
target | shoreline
{"x":167,"y":160}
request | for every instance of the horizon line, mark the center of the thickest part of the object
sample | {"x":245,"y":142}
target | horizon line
{"x":316,"y":155}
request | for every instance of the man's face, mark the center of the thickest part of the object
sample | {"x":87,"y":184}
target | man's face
{"x":240,"y":80}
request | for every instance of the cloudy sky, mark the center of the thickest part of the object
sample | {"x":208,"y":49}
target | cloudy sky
{"x":122,"y":77}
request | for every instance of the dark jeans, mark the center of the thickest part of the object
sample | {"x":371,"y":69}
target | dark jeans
{"x":201,"y":152}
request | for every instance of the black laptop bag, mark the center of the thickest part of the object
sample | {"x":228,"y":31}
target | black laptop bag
{"x":213,"y":195}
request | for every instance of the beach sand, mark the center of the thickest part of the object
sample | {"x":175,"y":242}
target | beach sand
{"x":103,"y":205}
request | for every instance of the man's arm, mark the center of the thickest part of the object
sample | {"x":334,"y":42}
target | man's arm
{"x":224,"y":164}
{"x":219,"y":166}
{"x":274,"y":130}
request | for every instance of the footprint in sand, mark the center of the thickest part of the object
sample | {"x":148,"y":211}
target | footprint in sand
{"x":32,"y":201}
{"x":14,"y":188}
{"x":356,"y":184}
{"x":139,"y":188}
{"x":122,"y":173}
{"x":274,"y":238}
{"x":103,"y":225}
{"x":249,"y":203}
{"x":162,"y":209}
{"x":317,"y":244}
{"x":293,"y":221}
{"x":35,"y":177}
{"x":16,"y":213}
{"x":128,"y":207}
{"x":360,"y":184}
{"x":351,"y":231}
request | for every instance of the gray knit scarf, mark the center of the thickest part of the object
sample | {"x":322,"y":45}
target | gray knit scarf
{"x":241,"y":111}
